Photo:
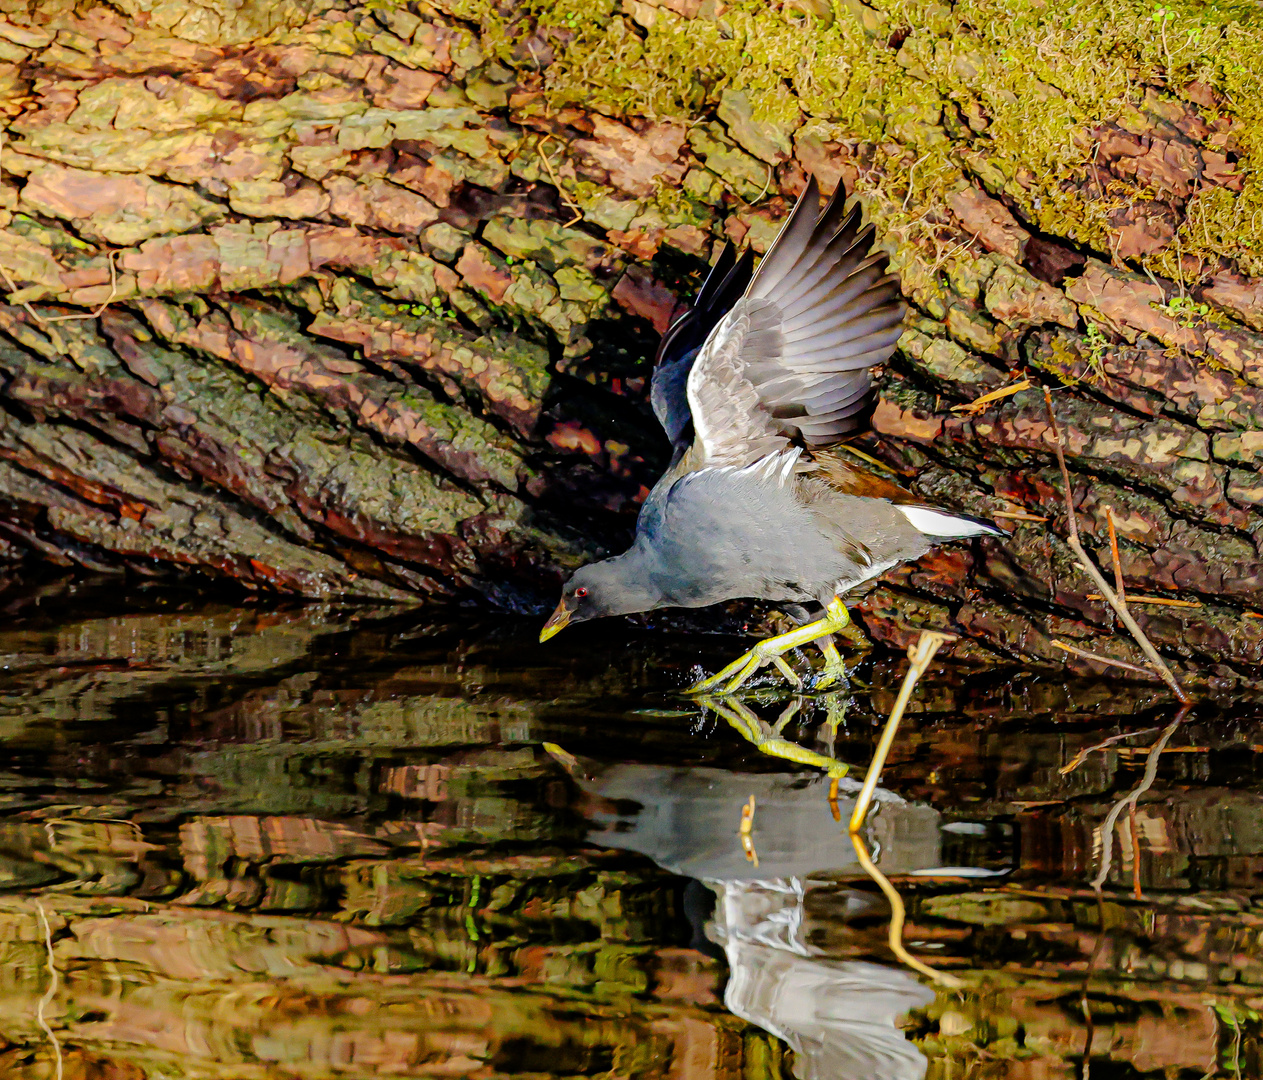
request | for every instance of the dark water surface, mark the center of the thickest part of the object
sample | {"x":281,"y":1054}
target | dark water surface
{"x":266,"y":842}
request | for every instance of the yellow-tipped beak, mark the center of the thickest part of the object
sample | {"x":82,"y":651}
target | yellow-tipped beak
{"x":556,"y":622}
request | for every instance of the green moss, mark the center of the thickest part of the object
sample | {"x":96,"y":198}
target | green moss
{"x":1017,"y":84}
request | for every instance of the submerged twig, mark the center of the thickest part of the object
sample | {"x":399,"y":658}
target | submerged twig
{"x":746,"y":827}
{"x":1082,"y":755}
{"x":898,"y":916}
{"x":1074,"y":650}
{"x":1131,"y":798}
{"x":50,"y":993}
{"x":1119,"y":606}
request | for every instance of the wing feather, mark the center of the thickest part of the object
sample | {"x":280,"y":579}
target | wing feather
{"x":789,"y":361}
{"x":677,"y":351}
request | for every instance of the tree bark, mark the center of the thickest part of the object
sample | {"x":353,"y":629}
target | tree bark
{"x":342,"y":301}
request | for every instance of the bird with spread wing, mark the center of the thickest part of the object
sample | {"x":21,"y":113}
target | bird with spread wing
{"x":767,"y":371}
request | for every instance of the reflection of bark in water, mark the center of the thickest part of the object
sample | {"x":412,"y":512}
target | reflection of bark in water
{"x":338,"y":802}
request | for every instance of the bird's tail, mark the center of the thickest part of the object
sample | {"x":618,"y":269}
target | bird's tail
{"x":945,"y":525}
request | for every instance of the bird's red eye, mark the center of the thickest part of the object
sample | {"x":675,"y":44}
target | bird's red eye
{"x":581,"y":592}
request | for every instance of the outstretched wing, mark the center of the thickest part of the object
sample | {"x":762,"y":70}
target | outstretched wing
{"x":790,"y":360}
{"x":725,"y":283}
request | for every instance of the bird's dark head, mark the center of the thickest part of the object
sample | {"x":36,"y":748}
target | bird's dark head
{"x":610,"y":587}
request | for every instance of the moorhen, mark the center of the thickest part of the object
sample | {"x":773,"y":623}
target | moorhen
{"x":768,"y":370}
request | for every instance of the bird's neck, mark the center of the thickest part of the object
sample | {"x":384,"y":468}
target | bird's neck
{"x":635,"y":571}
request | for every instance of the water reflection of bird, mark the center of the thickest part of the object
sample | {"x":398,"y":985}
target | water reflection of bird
{"x":685,"y":819}
{"x":752,"y":386}
{"x":840,"y":1017}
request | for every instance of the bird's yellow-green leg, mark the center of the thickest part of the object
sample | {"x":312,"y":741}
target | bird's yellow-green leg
{"x":767,"y":738}
{"x":834,"y":670}
{"x":787,"y":671}
{"x":773,"y":648}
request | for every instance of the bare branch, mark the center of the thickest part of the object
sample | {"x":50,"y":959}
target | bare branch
{"x":1119,"y":606}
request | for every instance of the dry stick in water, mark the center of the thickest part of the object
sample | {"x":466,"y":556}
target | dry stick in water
{"x":920,"y":655}
{"x":1119,"y":606}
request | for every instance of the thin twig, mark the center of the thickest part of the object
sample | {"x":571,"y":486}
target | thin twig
{"x":1017,"y":515}
{"x":1120,"y":608}
{"x":1130,"y":799}
{"x":912,"y":172}
{"x":50,"y":993}
{"x":920,"y":654}
{"x":578,"y":214}
{"x":979,"y":404}
{"x":766,"y":185}
{"x":1156,"y":601}
{"x":1074,"y":650}
{"x":1118,"y":566}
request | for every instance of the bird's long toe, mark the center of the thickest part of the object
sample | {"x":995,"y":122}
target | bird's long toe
{"x":711,"y":682}
{"x":735,"y":675}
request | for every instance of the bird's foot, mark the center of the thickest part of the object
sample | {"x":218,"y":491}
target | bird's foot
{"x":728,"y":679}
{"x":767,"y":737}
{"x":772,"y":650}
{"x":833,"y":674}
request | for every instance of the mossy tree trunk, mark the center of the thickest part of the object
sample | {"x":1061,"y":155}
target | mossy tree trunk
{"x":342,"y":300}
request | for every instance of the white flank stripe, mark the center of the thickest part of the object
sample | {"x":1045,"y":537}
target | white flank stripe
{"x":941,"y":523}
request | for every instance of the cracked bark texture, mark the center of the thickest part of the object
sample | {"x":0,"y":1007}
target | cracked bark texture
{"x":373,"y":293}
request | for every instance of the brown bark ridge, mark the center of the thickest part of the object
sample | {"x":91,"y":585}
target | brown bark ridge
{"x":343,"y":300}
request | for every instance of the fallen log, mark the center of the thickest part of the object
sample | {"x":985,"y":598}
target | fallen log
{"x":340,"y":300}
